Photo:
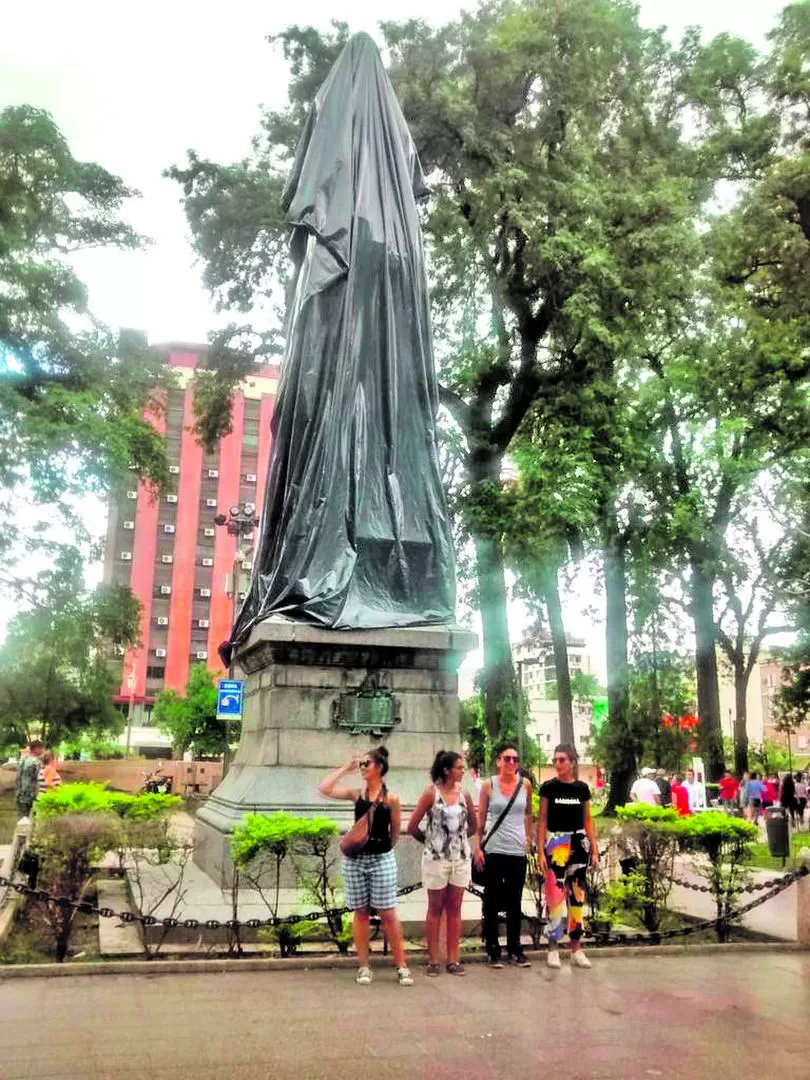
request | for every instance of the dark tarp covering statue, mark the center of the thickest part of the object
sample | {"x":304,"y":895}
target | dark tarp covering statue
{"x":355,"y":531}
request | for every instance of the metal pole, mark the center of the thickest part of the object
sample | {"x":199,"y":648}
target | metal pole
{"x":131,"y":708}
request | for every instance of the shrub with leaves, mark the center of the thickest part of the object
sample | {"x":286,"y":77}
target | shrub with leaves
{"x":261,"y":843}
{"x":69,"y":846}
{"x":723,"y":847}
{"x":651,"y":836}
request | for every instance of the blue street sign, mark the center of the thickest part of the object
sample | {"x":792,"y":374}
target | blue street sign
{"x":229,"y":699}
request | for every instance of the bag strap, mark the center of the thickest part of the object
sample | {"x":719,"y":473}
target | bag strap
{"x":503,"y":813}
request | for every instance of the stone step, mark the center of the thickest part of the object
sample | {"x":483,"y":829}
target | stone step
{"x":116,"y":938}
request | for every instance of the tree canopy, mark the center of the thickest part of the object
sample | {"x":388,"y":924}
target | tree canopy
{"x":190,"y":719}
{"x":55,"y":674}
{"x":618,"y":239}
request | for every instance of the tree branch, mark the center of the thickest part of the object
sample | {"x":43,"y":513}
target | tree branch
{"x":456,"y":406}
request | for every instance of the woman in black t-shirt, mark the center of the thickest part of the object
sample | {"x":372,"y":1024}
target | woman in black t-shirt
{"x":566,"y":844}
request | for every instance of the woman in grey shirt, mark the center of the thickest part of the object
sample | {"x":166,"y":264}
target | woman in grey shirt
{"x":502,"y":853}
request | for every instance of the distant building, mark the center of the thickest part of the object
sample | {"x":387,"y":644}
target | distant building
{"x":534,"y":662}
{"x":763,"y":685}
{"x":170,"y":553}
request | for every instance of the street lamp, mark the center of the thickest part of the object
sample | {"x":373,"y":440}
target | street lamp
{"x":240,"y":521}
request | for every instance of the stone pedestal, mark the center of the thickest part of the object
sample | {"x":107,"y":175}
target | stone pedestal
{"x":300,"y":680}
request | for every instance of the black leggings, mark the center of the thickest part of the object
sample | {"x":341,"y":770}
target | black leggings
{"x":503,"y":891}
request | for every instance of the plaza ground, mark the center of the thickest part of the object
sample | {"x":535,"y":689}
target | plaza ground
{"x":682,"y":1017}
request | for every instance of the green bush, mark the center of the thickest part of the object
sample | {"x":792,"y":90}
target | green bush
{"x":93,"y":798}
{"x":87,"y":798}
{"x":651,"y":835}
{"x":259,"y":846}
{"x":723,"y":847}
{"x":69,"y":846}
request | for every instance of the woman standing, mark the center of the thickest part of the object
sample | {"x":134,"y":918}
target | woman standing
{"x":800,"y":788}
{"x":449,"y":822}
{"x":504,"y":836}
{"x":370,"y":879}
{"x":566,"y":845}
{"x":787,"y":797}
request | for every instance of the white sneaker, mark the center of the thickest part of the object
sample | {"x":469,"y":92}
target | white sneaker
{"x":404,"y":976}
{"x":579,"y":959}
{"x":364,"y":976}
{"x":553,"y":958}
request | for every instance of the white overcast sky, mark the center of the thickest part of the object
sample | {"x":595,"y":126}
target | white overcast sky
{"x":133,"y":86}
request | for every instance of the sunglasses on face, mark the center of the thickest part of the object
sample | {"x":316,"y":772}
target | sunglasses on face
{"x":365,"y":764}
{"x":509,"y":757}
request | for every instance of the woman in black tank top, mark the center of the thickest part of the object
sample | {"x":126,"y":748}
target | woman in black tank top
{"x":370,"y":878}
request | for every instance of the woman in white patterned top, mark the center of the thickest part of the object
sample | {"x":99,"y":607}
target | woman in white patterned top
{"x":449,"y":817}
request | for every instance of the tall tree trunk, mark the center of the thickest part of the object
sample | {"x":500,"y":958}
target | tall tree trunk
{"x":708,"y":693}
{"x":623,"y":766}
{"x":498,"y":677}
{"x":550,"y":587}
{"x":741,"y":675}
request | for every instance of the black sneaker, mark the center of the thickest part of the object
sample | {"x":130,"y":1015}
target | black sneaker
{"x":519,"y":960}
{"x":494,"y":962}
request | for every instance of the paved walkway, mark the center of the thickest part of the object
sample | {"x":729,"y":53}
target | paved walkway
{"x":776,"y":917}
{"x":741,"y":1015}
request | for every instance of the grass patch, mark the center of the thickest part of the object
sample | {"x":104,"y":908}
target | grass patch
{"x":763,"y":860}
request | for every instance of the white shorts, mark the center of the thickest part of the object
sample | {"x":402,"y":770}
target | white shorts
{"x":437,"y":873}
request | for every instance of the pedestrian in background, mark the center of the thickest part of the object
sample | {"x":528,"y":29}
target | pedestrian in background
{"x":770,"y":791}
{"x":729,"y":790}
{"x":645,"y":789}
{"x":30,"y":781}
{"x":449,"y":817}
{"x":800,"y":789}
{"x":566,"y":846}
{"x":664,"y":787}
{"x":370,"y":878}
{"x":503,"y":842}
{"x":50,"y":773}
{"x":696,"y":791}
{"x":753,"y":792}
{"x":787,"y":797}
{"x":680,"y":796}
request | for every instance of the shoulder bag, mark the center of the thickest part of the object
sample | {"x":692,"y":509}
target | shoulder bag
{"x":353,"y":842}
{"x":479,"y":876}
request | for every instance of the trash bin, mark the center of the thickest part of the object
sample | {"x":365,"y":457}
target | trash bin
{"x":776,"y":826}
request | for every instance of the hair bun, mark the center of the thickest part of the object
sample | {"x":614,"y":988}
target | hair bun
{"x":381,"y":750}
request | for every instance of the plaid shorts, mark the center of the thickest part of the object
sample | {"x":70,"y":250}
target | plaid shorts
{"x":370,"y":881}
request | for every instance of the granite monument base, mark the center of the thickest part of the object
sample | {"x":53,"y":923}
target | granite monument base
{"x":313,"y":697}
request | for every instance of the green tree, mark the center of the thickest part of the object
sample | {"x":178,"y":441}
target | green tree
{"x":55,"y":676}
{"x":191,"y":719}
{"x":551,"y":134}
{"x":72,"y":396}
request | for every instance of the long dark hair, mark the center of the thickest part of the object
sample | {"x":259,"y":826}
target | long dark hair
{"x":379,"y":755}
{"x":442,"y":764}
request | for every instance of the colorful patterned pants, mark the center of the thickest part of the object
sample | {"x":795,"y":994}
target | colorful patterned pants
{"x":567,"y":856}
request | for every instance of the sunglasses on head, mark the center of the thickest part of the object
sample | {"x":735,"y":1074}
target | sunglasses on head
{"x":510,"y":757}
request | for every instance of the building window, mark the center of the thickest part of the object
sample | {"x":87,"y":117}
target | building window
{"x":155,"y":672}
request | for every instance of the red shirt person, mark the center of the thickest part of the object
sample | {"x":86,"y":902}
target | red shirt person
{"x":680,"y":797}
{"x":728,"y":788}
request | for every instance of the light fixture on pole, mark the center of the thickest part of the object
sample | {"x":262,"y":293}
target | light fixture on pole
{"x":240,"y":521}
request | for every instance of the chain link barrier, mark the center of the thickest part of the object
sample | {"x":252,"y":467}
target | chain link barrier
{"x":599,"y":938}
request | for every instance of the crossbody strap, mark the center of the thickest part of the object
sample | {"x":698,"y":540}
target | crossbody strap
{"x":503,"y":814}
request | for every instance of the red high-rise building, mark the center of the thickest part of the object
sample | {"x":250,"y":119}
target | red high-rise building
{"x":168,"y":550}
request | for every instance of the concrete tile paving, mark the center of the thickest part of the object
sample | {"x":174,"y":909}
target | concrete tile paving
{"x":680,"y":1017}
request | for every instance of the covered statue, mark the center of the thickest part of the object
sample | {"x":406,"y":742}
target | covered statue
{"x":355,"y":530}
